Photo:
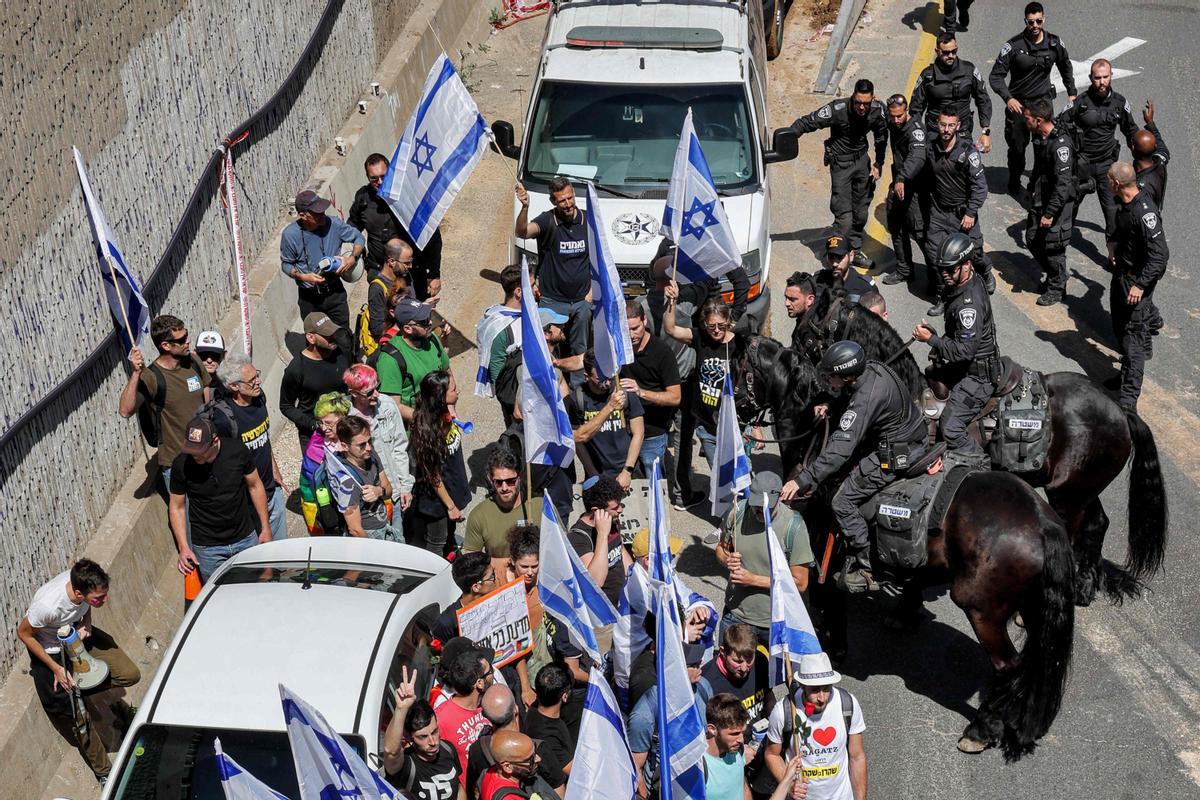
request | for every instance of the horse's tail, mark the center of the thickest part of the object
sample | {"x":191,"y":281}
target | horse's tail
{"x":1035,"y":687}
{"x":1147,"y":506}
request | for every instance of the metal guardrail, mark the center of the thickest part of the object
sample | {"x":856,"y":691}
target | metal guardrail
{"x":156,"y":286}
{"x":848,"y":15}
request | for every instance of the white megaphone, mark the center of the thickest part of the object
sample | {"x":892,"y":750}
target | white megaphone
{"x":89,"y":672}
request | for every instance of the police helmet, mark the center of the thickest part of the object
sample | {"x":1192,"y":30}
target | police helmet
{"x":954,"y":251}
{"x":844,"y":359}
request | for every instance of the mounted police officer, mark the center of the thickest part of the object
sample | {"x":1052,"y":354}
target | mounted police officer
{"x":1140,"y":260}
{"x":966,"y":358}
{"x":1096,"y":114}
{"x":881,"y":419}
{"x":950,"y":83}
{"x":905,"y":220}
{"x":958,"y":188}
{"x":839,"y":274}
{"x":1052,"y":198}
{"x":852,"y":174}
{"x":1029,"y":56}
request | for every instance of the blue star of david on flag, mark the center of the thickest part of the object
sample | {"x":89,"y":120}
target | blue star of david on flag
{"x":690,"y":228}
{"x":694,"y":218}
{"x":422,"y":157}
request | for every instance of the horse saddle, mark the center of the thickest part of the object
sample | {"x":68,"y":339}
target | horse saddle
{"x":906,"y":512}
{"x":933,"y":399}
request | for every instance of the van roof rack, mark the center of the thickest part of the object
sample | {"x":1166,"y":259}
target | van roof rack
{"x":613,"y":36}
{"x":559,"y":4}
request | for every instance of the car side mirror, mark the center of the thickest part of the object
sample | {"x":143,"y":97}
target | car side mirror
{"x":504,"y":140}
{"x":785,"y":145}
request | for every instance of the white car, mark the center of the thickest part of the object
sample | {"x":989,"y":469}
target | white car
{"x":613,"y":86}
{"x":331,"y":618}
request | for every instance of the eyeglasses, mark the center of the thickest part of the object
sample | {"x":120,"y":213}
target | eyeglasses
{"x":365,"y":392}
{"x":489,"y":578}
{"x":949,"y":52}
{"x":1033,"y":22}
{"x":505,"y":481}
{"x":716,"y":326}
{"x":178,"y":340}
{"x":256,"y":379}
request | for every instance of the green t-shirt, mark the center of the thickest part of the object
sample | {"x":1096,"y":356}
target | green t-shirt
{"x":751,"y":604}
{"x":488,"y":526}
{"x":418,"y":362}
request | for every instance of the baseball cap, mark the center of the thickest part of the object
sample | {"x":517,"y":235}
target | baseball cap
{"x":409,"y":310}
{"x":641,"y":544}
{"x":318,"y":322}
{"x":308,"y":200}
{"x":551,"y":317}
{"x":837,"y":245}
{"x":764,"y":482}
{"x":198,"y":436}
{"x":211,"y":342}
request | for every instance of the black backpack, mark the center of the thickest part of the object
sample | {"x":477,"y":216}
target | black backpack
{"x":149,"y":411}
{"x":757,"y":775}
{"x":509,"y":379}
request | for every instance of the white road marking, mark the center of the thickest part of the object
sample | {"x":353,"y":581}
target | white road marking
{"x":1081,"y":69}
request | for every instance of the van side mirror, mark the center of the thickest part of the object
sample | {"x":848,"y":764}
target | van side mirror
{"x":504,"y":141}
{"x":785,"y":145}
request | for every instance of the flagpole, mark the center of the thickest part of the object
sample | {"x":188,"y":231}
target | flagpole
{"x":112,"y":273}
{"x":674,"y":262}
{"x":787,"y":673}
{"x":528,"y":488}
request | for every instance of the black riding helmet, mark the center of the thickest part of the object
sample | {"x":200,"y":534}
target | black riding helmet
{"x":845,"y":359}
{"x":955,"y":250}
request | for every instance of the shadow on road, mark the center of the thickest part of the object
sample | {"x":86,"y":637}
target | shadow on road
{"x":927,"y":18}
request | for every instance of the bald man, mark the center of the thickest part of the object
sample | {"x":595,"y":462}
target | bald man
{"x":1096,"y":114}
{"x":1139,"y":261}
{"x":514,"y":775}
{"x":499,"y":709}
{"x":1150,"y":157}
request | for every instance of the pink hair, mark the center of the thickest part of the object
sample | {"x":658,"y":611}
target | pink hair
{"x":360,"y":378}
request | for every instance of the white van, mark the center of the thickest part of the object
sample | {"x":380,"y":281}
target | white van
{"x":613,"y":85}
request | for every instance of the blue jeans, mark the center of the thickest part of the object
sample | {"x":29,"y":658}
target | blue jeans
{"x":654,"y":448}
{"x":276,"y":502}
{"x":212,"y":557}
{"x":579,"y":322}
{"x":729,"y":619}
{"x":392,"y":532}
{"x":708,"y":443}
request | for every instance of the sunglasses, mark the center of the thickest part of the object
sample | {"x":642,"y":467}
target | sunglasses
{"x":217,"y":357}
{"x":949,"y":52}
{"x":1034,"y":23}
{"x":178,"y":340}
{"x":505,"y":481}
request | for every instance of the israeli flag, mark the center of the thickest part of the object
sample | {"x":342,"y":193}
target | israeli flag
{"x":566,"y":587}
{"x":661,"y":566}
{"x":681,"y":739}
{"x":792,"y":631}
{"x":325,"y":765}
{"x":629,"y":634}
{"x":549,"y":439}
{"x":124,"y":295}
{"x":237,"y":783}
{"x":694,"y":218}
{"x":496,"y":319}
{"x":444,"y":140}
{"x":341,"y":479}
{"x":611,"y":329}
{"x":732,"y":473}
{"x":603,"y":762}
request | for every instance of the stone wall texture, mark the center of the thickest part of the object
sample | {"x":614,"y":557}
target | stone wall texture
{"x":146,"y":89}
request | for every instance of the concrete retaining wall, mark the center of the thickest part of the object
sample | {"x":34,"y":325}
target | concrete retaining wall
{"x":75,"y":482}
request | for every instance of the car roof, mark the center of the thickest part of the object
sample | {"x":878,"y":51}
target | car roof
{"x":625,"y":65}
{"x":226,"y":668}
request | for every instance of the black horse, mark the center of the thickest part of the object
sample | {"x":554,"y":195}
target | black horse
{"x":1091,"y":440}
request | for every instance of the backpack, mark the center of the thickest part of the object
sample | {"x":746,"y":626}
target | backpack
{"x":509,"y":379}
{"x":149,"y":411}
{"x":364,"y":342}
{"x":391,"y":350}
{"x":758,"y":776}
{"x":328,"y":517}
{"x":218,"y":412}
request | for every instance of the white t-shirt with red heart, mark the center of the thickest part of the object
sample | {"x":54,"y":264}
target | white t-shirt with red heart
{"x":826,"y":762}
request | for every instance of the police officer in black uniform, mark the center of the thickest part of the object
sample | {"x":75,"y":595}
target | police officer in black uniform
{"x":1139,"y":262}
{"x":957,"y":187}
{"x":1096,"y":114}
{"x":852,"y":174}
{"x":1052,"y":199}
{"x":1029,"y":56}
{"x":957,"y":16}
{"x":881,"y":416}
{"x":905,"y":220}
{"x":952,"y":83}
{"x":839,"y":275}
{"x":1150,"y":158}
{"x":966,"y":358}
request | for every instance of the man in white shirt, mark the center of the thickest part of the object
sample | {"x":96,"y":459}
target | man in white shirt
{"x":825,"y":729}
{"x":68,"y":599}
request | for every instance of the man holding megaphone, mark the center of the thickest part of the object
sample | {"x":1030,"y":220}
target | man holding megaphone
{"x":65,"y":602}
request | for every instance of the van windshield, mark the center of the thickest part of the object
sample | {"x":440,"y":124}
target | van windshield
{"x":625,"y":137}
{"x":178,"y":762}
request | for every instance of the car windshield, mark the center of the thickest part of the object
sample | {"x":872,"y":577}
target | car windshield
{"x":358,"y":576}
{"x":178,"y":762}
{"x":625,"y":137}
